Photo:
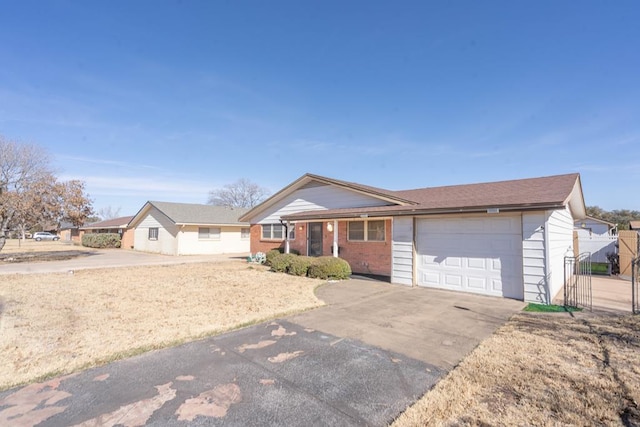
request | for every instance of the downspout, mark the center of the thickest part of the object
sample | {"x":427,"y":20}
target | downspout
{"x":335,"y":238}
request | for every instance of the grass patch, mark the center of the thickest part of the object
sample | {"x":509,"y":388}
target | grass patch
{"x":600,"y":268}
{"x":542,"y":370}
{"x":549,"y":308}
{"x":58,"y":323}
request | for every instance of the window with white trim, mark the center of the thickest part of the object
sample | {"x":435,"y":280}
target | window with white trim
{"x":276,"y":232}
{"x":153,"y":233}
{"x":366,"y":231}
{"x":245,"y":233}
{"x":211,"y":233}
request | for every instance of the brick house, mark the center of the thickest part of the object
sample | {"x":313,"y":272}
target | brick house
{"x":503,"y":238}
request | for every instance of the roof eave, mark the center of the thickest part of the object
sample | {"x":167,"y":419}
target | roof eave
{"x":411,"y":211}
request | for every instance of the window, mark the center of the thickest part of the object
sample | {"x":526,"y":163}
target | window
{"x":245,"y":233}
{"x":367,"y":231}
{"x":153,"y":233}
{"x":209,"y":233}
{"x":375,"y":231}
{"x":276,"y":232}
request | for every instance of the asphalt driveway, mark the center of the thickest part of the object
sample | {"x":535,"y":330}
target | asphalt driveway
{"x":361,"y":360}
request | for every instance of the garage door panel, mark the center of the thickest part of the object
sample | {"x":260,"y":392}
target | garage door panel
{"x":453,"y":280}
{"x":481,"y":255}
{"x":477,"y":283}
{"x":477,"y":263}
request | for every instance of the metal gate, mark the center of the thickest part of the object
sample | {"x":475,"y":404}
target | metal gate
{"x":635,"y":270}
{"x":577,"y":281}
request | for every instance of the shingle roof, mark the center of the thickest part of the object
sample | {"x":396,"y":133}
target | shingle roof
{"x":531,"y":191}
{"x":634,"y":225}
{"x":191,"y":213}
{"x":551,"y":191}
{"x":109,"y":223}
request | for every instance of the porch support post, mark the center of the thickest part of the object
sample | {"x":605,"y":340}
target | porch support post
{"x":286,"y":238}
{"x":335,"y":238}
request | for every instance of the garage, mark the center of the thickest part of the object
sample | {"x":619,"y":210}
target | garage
{"x":479,"y":254}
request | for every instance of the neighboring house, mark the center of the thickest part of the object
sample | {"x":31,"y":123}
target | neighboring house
{"x":634,"y":225}
{"x":590,"y":226}
{"x":69,"y":232}
{"x":114,"y":225}
{"x":189,"y":229}
{"x":504,"y":238}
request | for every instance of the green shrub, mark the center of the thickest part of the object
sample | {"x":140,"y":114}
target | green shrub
{"x":101,"y":240}
{"x":299,"y":265}
{"x":271,"y":255}
{"x":279,"y":251}
{"x":281,"y":262}
{"x":328,"y":267}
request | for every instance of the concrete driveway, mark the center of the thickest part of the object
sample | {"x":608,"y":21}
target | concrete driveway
{"x":434,"y":326}
{"x":361,"y":360}
{"x":107,"y":258}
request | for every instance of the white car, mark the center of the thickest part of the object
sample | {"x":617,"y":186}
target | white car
{"x":44,"y":235}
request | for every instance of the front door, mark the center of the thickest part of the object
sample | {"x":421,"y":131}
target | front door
{"x":314,"y":239}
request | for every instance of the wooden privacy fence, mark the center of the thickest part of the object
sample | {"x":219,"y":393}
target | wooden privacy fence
{"x":627,"y":250}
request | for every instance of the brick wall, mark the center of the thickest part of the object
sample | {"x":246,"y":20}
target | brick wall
{"x":127,"y":238}
{"x":259,"y":245}
{"x":365,"y":257}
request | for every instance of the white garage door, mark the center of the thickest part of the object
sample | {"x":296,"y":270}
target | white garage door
{"x":472,"y":254}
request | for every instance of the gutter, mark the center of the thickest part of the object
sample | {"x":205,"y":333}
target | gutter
{"x":417,"y":211}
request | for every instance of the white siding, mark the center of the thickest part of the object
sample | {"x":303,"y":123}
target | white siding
{"x":167,"y":231}
{"x":402,"y":251}
{"x":560,"y":238}
{"x":229,"y":242}
{"x":534,"y":270}
{"x":314,"y":199}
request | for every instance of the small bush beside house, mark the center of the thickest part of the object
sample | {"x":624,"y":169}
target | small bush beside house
{"x":326,"y":267}
{"x":299,"y":266}
{"x":281,"y":262}
{"x":101,"y":240}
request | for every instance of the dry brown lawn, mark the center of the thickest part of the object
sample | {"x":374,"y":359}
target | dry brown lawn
{"x":58,"y":323}
{"x":13,"y":246}
{"x":542,"y":370}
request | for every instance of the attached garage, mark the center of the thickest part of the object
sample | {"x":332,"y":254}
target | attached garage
{"x":504,"y":239}
{"x":479,"y":254}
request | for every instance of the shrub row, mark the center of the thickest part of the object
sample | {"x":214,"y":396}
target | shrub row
{"x":326,"y":267}
{"x":101,"y":240}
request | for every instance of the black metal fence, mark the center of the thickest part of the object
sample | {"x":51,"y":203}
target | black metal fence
{"x":577,"y":281}
{"x":635,"y":270}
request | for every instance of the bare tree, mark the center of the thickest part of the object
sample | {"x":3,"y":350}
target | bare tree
{"x":240,"y":194}
{"x":31,"y":195}
{"x":21,"y":165}
{"x":109,"y":212}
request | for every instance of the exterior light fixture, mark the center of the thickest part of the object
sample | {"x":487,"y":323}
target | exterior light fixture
{"x":329,"y":227}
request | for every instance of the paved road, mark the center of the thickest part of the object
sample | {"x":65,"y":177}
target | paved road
{"x":293,"y":371}
{"x":104,"y":258}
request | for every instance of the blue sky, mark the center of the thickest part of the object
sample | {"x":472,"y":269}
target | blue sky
{"x":166,"y":100}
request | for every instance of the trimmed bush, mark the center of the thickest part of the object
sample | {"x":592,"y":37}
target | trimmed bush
{"x":101,"y":240}
{"x":299,"y":265}
{"x":281,"y":262}
{"x":328,"y":267}
{"x":271,"y":255}
{"x":279,"y":251}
